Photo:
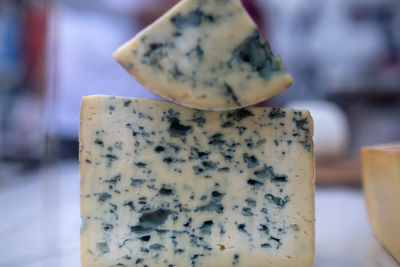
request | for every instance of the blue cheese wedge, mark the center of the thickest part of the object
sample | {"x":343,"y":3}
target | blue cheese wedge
{"x":164,"y":185}
{"x":205,"y":54}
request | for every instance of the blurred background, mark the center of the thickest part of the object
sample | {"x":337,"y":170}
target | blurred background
{"x":344,"y":56}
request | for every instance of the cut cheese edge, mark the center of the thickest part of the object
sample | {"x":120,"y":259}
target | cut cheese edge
{"x":166,"y":185}
{"x":381,"y":181}
{"x":205,"y":54}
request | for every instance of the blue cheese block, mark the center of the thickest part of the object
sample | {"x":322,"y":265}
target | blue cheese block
{"x":164,"y":185}
{"x":205,"y":54}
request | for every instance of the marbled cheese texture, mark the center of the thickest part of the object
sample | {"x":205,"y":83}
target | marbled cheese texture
{"x":164,"y":185}
{"x":205,"y":54}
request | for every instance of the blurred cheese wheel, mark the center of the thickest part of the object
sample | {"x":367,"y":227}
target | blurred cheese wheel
{"x":331,"y":127}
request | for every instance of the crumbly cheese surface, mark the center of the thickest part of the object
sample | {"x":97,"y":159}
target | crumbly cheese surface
{"x":205,"y":54}
{"x":164,"y":185}
{"x":381,"y":181}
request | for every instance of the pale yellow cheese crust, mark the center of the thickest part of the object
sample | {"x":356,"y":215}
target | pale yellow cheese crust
{"x":381,"y":182}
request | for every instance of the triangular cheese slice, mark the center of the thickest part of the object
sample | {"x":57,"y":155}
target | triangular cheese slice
{"x":205,"y":54}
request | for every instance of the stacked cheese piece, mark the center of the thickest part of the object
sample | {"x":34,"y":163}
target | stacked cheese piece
{"x":167,"y":185}
{"x":381,"y":181}
{"x":205,"y":54}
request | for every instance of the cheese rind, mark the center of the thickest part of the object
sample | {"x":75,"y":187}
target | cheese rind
{"x":205,"y":54}
{"x":164,"y":185}
{"x":381,"y":182}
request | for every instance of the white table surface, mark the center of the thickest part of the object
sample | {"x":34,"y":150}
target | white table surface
{"x":40,"y":222}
